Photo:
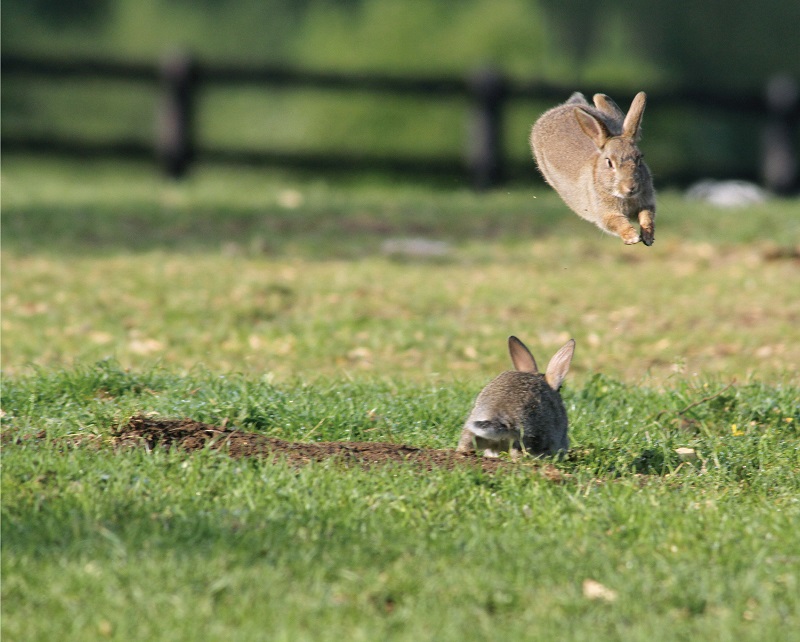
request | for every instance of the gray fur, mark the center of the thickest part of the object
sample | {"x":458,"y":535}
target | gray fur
{"x":521,"y":410}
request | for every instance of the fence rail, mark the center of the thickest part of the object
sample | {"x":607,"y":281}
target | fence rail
{"x":487,"y":92}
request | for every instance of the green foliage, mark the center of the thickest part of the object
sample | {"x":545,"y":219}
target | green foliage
{"x":608,"y":47}
{"x":556,"y":40}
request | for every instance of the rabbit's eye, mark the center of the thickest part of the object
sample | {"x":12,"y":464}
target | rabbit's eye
{"x":610,"y":163}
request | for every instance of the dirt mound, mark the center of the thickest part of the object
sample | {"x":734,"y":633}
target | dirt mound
{"x":191,"y":435}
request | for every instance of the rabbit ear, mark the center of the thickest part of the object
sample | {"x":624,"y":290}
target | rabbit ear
{"x":592,"y":127}
{"x":608,"y":107}
{"x":577,"y":98}
{"x":630,"y":128}
{"x":558,"y":367}
{"x":521,"y":357}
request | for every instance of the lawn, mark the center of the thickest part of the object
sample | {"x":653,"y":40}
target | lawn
{"x":310,"y":311}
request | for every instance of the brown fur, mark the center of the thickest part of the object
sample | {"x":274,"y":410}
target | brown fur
{"x":588,"y":154}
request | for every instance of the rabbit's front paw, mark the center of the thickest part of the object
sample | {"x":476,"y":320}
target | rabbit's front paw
{"x":648,"y":225}
{"x":630,"y":237}
{"x":615,"y":223}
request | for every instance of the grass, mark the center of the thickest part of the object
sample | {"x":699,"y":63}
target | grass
{"x":272,"y":303}
{"x":241,"y":272}
{"x":148,"y":545}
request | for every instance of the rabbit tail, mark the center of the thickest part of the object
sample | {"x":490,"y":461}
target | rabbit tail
{"x":496,"y":429}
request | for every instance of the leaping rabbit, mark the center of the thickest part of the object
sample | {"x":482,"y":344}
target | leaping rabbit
{"x":588,"y":154}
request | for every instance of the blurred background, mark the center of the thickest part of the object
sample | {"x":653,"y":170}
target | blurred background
{"x":435,"y":88}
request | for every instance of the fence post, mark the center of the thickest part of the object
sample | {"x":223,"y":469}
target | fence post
{"x":175,"y":117}
{"x":485,"y":146}
{"x":779,"y":164}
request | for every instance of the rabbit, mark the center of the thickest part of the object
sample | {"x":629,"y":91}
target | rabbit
{"x":521,"y":410}
{"x":588,"y":154}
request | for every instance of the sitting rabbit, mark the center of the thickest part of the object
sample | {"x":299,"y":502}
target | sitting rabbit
{"x":522,"y":409}
{"x":588,"y":154}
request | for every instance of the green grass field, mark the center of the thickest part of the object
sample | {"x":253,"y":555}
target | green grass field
{"x":369,"y":311}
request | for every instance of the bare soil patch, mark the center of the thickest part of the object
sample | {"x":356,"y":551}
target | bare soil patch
{"x":187,"y":434}
{"x":146,"y":431}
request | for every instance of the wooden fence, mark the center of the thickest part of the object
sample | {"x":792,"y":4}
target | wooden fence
{"x":488,"y":93}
